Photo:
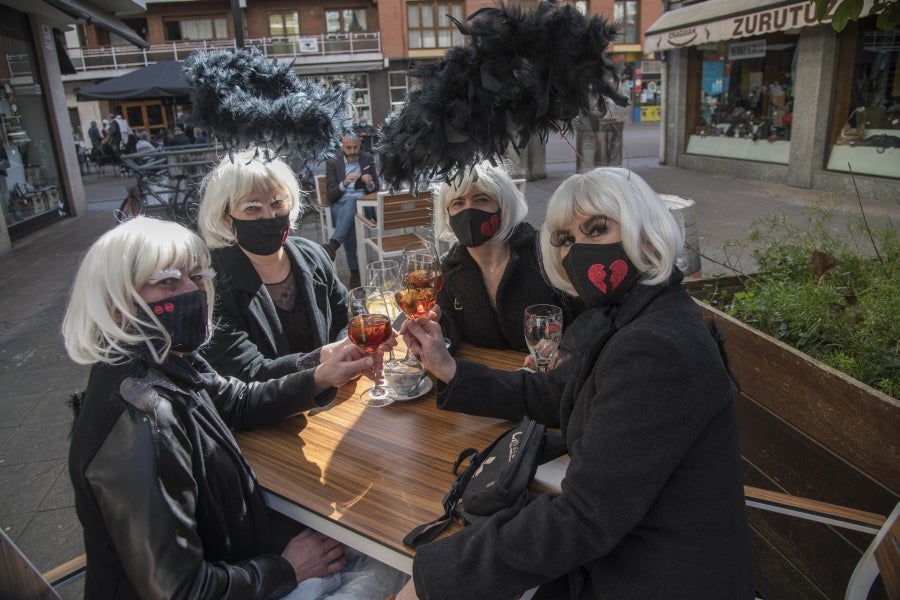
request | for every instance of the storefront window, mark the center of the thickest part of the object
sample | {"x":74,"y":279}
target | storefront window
{"x":867,"y":109}
{"x":29,"y":176}
{"x":742,"y":101}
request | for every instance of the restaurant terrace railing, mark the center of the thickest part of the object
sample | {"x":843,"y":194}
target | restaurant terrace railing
{"x":316,"y":47}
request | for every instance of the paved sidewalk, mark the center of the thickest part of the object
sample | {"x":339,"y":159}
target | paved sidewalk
{"x":36,"y":377}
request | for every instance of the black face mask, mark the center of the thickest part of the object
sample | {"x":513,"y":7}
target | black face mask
{"x":185,"y":318}
{"x":600,"y":273}
{"x":473,"y":226}
{"x":262,"y":236}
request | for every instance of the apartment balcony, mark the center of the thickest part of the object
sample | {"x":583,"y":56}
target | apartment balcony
{"x":314,"y":54}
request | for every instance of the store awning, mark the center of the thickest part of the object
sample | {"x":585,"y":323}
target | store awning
{"x":62,"y":13}
{"x":82,"y":9}
{"x":718,"y":20}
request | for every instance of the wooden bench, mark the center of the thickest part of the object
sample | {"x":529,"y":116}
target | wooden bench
{"x":20,"y":579}
{"x":808,"y":431}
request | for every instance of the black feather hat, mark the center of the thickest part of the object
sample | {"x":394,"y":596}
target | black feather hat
{"x":523,"y":73}
{"x":246,"y":100}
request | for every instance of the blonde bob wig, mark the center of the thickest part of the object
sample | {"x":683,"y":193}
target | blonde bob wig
{"x":650,"y":234}
{"x":496,"y":183}
{"x":102,"y":322}
{"x":233,"y":180}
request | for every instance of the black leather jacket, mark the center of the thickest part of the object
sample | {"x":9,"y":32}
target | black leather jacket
{"x":169,"y":506}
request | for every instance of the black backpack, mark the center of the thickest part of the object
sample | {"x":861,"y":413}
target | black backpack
{"x":498,"y":477}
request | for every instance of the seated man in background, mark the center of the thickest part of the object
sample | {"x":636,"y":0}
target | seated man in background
{"x":347,"y":178}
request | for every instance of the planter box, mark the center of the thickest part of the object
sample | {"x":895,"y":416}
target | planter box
{"x":811,"y":431}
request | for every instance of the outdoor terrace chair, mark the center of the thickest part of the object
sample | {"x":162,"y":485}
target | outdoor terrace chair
{"x":326,"y":227}
{"x":401,"y":218}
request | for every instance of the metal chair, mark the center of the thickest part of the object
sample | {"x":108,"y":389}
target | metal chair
{"x":20,"y":579}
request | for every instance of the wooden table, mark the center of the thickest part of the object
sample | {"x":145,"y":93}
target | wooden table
{"x":367,"y":476}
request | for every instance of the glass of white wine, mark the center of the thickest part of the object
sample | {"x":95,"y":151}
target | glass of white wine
{"x":543,"y":332}
{"x":384,"y":276}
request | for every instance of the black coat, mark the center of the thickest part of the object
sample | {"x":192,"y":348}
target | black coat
{"x":169,"y":506}
{"x":249,"y":341}
{"x":652,"y":503}
{"x":466,"y":311}
{"x":335,"y":171}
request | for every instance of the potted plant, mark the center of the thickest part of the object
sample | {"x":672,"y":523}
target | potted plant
{"x":813,"y":341}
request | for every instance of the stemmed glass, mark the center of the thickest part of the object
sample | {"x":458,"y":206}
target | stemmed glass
{"x":384,"y":276}
{"x":421,"y":280}
{"x":543,"y":331}
{"x":369,"y":330}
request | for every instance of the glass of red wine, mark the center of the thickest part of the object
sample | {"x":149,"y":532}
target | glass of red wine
{"x":369,"y":330}
{"x":421,"y":281}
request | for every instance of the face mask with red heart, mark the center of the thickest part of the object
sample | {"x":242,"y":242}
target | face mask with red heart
{"x":473,"y":226}
{"x":600,"y":273}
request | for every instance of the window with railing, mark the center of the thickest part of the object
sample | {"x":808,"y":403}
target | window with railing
{"x":197,"y":29}
{"x":580,"y":5}
{"x":626,"y":14}
{"x":346,"y":20}
{"x":430,"y":28}
{"x":398,"y":83}
{"x":283,"y":24}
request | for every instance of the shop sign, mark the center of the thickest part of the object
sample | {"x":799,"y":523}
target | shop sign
{"x":649,"y":114}
{"x":651,"y":67}
{"x":742,"y":50}
{"x":309,"y":44}
{"x":688,"y":29}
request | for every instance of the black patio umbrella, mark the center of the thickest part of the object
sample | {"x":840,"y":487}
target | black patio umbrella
{"x":158,"y":81}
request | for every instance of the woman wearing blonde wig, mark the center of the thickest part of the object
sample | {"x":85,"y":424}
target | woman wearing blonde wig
{"x":652,"y":501}
{"x":169,"y":507}
{"x":492,"y":272}
{"x":279,"y":299}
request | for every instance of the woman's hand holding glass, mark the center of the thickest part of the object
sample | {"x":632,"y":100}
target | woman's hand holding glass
{"x":369,"y":331}
{"x":341,"y":361}
{"x":425,"y":338}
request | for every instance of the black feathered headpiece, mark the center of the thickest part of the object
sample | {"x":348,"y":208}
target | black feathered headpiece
{"x":246,"y":100}
{"x":524,"y":73}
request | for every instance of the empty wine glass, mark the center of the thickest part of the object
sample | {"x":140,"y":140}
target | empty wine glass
{"x":369,"y":330}
{"x":543,"y":331}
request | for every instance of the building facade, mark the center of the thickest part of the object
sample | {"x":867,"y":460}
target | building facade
{"x":762,"y":89}
{"x":370,"y":44}
{"x":39,"y":170}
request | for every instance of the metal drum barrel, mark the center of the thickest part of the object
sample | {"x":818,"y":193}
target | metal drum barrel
{"x":684,"y":211}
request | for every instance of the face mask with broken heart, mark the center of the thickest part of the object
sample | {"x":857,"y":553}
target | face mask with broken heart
{"x":473,"y":226}
{"x":600,"y":273}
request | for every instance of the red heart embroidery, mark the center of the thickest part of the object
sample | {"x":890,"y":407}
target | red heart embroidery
{"x":490,"y":227}
{"x":597,"y":275}
{"x":619,"y":270}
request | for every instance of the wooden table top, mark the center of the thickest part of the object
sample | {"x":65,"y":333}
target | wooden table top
{"x":378,"y":472}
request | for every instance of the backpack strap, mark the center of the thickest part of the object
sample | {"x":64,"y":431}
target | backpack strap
{"x":428,"y":531}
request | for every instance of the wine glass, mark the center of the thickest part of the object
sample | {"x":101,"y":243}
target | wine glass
{"x":543,"y":331}
{"x":369,"y":330}
{"x":384,"y":275}
{"x":421,"y":280}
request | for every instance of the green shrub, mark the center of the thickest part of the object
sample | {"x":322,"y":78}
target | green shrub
{"x":849,"y":316}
